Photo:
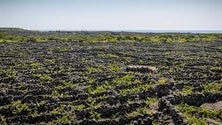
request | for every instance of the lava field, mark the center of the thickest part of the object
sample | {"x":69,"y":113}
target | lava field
{"x":86,"y":83}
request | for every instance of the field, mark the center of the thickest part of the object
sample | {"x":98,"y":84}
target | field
{"x":85,"y":82}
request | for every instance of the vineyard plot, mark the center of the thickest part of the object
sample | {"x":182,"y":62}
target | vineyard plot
{"x":85,"y":83}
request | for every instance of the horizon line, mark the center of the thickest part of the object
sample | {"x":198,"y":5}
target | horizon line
{"x":124,"y":30}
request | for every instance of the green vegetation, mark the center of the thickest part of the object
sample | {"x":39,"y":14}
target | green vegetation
{"x":126,"y":79}
{"x":212,"y":87}
{"x":163,"y":80}
{"x":108,"y":55}
{"x":151,"y":100}
{"x":139,"y":88}
{"x":65,"y":118}
{"x":35,"y":64}
{"x":82,"y":82}
{"x":187,"y":89}
{"x":10,"y":72}
{"x":98,"y":89}
{"x":193,"y":120}
{"x":45,"y":77}
{"x":94,"y":115}
{"x":91,"y":80}
{"x":19,"y":107}
{"x":139,"y":111}
{"x":56,"y":93}
{"x":3,"y":120}
{"x":91,"y":69}
{"x":79,"y":107}
{"x":196,"y":115}
{"x":42,"y":102}
{"x":114,"y":67}
{"x":8,"y":36}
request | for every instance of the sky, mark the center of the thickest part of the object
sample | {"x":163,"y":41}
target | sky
{"x":112,"y":14}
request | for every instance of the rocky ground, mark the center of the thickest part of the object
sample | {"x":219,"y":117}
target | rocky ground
{"x":87,"y":83}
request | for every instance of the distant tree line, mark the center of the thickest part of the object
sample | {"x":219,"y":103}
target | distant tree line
{"x":36,"y":36}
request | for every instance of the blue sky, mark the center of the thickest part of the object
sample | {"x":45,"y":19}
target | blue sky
{"x":112,"y":14}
